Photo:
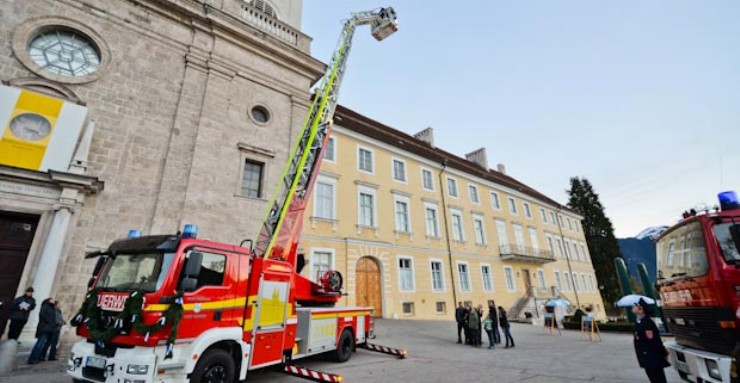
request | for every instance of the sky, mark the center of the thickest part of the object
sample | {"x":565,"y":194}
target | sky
{"x":640,"y":97}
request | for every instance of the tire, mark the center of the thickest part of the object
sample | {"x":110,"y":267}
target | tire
{"x":216,"y":366}
{"x":345,"y":346}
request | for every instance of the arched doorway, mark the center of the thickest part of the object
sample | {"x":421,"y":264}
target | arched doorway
{"x":367,"y":284}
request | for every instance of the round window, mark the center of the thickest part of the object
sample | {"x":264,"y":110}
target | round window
{"x":260,"y":114}
{"x":64,"y":52}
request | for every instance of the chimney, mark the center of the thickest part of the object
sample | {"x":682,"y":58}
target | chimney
{"x":501,"y":168}
{"x":426,"y":135}
{"x":478,"y":157}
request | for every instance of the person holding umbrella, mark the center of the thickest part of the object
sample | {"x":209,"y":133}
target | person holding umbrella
{"x":651,"y":354}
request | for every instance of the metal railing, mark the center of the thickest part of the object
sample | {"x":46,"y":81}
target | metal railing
{"x":524,"y":253}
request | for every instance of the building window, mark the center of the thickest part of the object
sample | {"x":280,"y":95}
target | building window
{"x":669,"y":254}
{"x":487,"y":280}
{"x":543,"y":215}
{"x":585,"y":254}
{"x":503,"y":239}
{"x":406,"y":274}
{"x":260,"y":114}
{"x":367,"y":209}
{"x":324,"y":200}
{"x":527,"y":211}
{"x":408,"y":308}
{"x":265,"y":7}
{"x":575,"y":283}
{"x":560,"y":247}
{"x":458,"y":233}
{"x":575,"y":252}
{"x":583,"y":282}
{"x":541,"y":279}
{"x":558,"y":281}
{"x":402,"y":215}
{"x":495,"y":202}
{"x":430,"y":214}
{"x":427,"y":182}
{"x":365,"y":160}
{"x":577,"y":224}
{"x":549,"y":244}
{"x":509,"y":275}
{"x":512,"y":206}
{"x":480,"y":230}
{"x":552,"y":219}
{"x":567,"y":281}
{"x":399,"y":170}
{"x":473,"y":190}
{"x":570,"y":224}
{"x":591,"y":283}
{"x":441,"y":308}
{"x":65,"y":52}
{"x":252,"y":180}
{"x":560,"y":220}
{"x":331,"y":149}
{"x":568,"y":250}
{"x":321,"y":262}
{"x":534,"y":238}
{"x":452,"y":187}
{"x":438,"y":281}
{"x":464,"y":275}
{"x":519,"y":236}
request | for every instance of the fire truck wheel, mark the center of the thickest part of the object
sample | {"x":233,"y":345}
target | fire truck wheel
{"x":345,"y":346}
{"x":216,"y":366}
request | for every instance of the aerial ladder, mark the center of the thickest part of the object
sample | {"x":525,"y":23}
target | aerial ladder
{"x":281,"y":228}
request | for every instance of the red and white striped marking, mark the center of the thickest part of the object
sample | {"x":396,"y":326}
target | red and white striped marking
{"x":385,"y":350}
{"x":312,"y":375}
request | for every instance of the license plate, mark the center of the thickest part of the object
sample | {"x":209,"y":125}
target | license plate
{"x":95,"y":362}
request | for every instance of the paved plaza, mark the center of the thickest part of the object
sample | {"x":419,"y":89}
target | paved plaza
{"x":435,"y":357}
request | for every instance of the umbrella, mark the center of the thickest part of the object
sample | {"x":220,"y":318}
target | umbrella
{"x":557,"y":303}
{"x":630,"y":300}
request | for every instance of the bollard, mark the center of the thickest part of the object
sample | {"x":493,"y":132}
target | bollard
{"x":8,"y":355}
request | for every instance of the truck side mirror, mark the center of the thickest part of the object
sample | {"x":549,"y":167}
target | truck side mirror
{"x":735,"y":233}
{"x":189,"y":284}
{"x":193,"y":264}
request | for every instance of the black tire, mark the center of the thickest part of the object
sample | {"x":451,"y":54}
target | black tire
{"x":216,"y":366}
{"x":345,"y":346}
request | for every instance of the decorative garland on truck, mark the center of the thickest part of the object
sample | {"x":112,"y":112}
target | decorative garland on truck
{"x":90,"y":315}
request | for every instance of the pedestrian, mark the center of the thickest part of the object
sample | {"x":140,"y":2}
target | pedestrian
{"x":479,"y":309}
{"x":474,"y":325}
{"x":51,"y":345}
{"x":466,"y":327}
{"x":493,"y":314}
{"x":651,"y":354}
{"x":488,"y":327}
{"x":506,"y":326}
{"x":44,"y":331}
{"x":459,"y":317}
{"x":22,"y":307}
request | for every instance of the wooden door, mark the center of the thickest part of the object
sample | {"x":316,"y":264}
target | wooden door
{"x":368,"y":281}
{"x":527,"y":281}
{"x":16,"y":235}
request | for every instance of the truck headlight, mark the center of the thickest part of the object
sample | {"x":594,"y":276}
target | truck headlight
{"x":137,"y":369}
{"x":713,"y":369}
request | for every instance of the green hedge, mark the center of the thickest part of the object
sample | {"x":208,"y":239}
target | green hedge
{"x":623,"y":327}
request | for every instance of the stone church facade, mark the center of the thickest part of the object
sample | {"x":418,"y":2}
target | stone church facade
{"x":191,"y":106}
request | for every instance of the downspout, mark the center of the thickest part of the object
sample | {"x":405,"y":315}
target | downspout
{"x":567,"y":255}
{"x":346,"y":268}
{"x":447,"y":234}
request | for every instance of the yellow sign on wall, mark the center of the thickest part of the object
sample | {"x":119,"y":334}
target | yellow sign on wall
{"x":39,"y":132}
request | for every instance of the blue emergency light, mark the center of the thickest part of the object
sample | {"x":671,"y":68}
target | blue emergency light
{"x":134,"y":233}
{"x":190,"y":231}
{"x":728,"y":200}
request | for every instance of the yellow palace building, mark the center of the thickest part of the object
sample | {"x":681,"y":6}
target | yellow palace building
{"x":414,"y":229}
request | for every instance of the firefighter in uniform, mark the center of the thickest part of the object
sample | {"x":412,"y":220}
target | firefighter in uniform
{"x":651,"y":354}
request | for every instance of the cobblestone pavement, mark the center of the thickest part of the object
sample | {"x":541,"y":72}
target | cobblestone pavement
{"x":435,"y":357}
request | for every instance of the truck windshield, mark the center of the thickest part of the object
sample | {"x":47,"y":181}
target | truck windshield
{"x":131,"y":272}
{"x":682,"y":253}
{"x":726,"y":243}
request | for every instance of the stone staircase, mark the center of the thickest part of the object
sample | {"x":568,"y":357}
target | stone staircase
{"x":531,"y":303}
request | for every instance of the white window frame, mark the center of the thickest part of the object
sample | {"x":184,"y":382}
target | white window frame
{"x":576,"y":255}
{"x":541,"y":279}
{"x":583,"y":282}
{"x":442,"y":274}
{"x":472,"y":187}
{"x":495,"y":200}
{"x":558,"y":280}
{"x":502,"y":232}
{"x":553,"y":219}
{"x":591,"y":283}
{"x":315,"y":250}
{"x":403,"y":199}
{"x":527,"y":210}
{"x":361,"y":189}
{"x":550,"y":243}
{"x":405,"y":170}
{"x":329,"y":181}
{"x":431,"y":178}
{"x":431,"y":206}
{"x":543,"y":216}
{"x":511,"y":288}
{"x":576,"y":283}
{"x":459,"y":277}
{"x":512,"y":205}
{"x":490,"y":277}
{"x":457,"y":187}
{"x":400,"y":276}
{"x":457,"y":237}
{"x":436,"y":308}
{"x":482,"y":240}
{"x":570,"y":224}
{"x":584,"y":251}
{"x":413,"y":308}
{"x":519,"y":239}
{"x":534,"y":237}
{"x":332,"y":160}
{"x":568,"y":281}
{"x":372,"y":159}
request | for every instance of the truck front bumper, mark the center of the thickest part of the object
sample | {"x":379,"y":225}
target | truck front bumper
{"x":126,"y":365}
{"x":694,"y":365}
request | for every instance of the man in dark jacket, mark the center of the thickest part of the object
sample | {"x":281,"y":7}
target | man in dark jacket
{"x":466,"y":326}
{"x":22,"y":307}
{"x":459,"y":317}
{"x":51,"y":345}
{"x":651,"y":354}
{"x":493,"y":314}
{"x":44,"y":331}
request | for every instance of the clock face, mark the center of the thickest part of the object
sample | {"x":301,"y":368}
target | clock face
{"x":30,"y":127}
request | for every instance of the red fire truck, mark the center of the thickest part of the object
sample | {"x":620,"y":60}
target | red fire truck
{"x":176,"y":308}
{"x":699,"y":284}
